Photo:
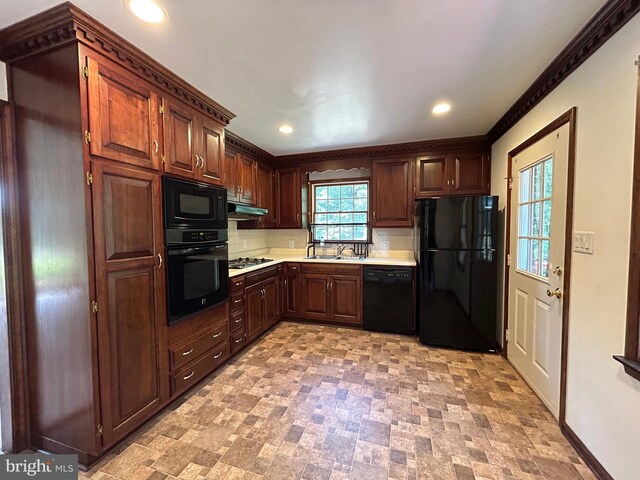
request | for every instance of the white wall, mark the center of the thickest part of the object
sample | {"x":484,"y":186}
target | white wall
{"x":3,"y":82}
{"x":603,"y":403}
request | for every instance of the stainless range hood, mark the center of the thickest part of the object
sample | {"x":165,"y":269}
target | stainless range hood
{"x":237,"y":211}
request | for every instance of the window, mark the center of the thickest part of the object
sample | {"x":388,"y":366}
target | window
{"x":341,"y":212}
{"x":534,"y":218}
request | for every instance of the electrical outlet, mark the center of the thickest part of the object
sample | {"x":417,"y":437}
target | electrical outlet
{"x":583,"y":242}
{"x":292,"y":244}
{"x":244,"y":244}
{"x":384,"y":245}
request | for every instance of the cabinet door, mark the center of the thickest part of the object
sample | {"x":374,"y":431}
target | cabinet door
{"x":315,"y":296}
{"x":247,"y":176}
{"x":132,"y":335}
{"x":123,"y":116}
{"x":211,"y":151}
{"x":179,"y":140}
{"x":253,"y":311}
{"x":292,"y":294}
{"x":470,"y":174}
{"x":270,"y":303}
{"x":346,"y":299}
{"x":392,"y":193}
{"x":288,"y":198}
{"x":230,"y":174}
{"x":265,"y":195}
{"x":282,"y":292}
{"x":432,"y":178}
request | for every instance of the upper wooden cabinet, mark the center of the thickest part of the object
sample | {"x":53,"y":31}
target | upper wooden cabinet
{"x":123,"y":116}
{"x":239,"y":174}
{"x":266,"y":179}
{"x":288,"y":198}
{"x":452,"y":174}
{"x":392,"y":193}
{"x":193,"y":145}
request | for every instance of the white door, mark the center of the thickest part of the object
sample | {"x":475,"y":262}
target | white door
{"x":538,"y":217}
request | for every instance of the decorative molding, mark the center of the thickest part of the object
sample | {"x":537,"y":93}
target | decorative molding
{"x":449,"y":145}
{"x":604,"y":24}
{"x":66,"y":23}
{"x":239,"y":143}
{"x":592,"y":462}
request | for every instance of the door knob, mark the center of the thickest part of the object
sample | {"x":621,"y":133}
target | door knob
{"x":554,"y":293}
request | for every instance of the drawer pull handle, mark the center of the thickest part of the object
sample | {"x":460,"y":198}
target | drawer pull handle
{"x":184,"y":354}
{"x":217,"y":335}
{"x":237,"y":301}
{"x":239,"y":340}
{"x":189,"y":376}
{"x":238,"y":320}
{"x":218,"y":355}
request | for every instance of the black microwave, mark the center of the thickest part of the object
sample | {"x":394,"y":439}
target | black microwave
{"x":193,"y":205}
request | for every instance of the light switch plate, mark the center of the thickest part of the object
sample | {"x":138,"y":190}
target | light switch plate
{"x":384,"y":245}
{"x":583,"y":242}
{"x":292,"y":244}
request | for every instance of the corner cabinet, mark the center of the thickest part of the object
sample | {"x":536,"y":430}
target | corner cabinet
{"x":452,"y":174}
{"x":97,"y":122}
{"x":289,"y":198}
{"x":392,"y":193}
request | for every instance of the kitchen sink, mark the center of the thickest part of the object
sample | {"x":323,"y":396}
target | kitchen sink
{"x":332,"y":257}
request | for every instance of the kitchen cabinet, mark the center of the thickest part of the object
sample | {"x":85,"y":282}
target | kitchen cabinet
{"x":197,"y":346}
{"x":239,"y":177}
{"x":282,"y":291}
{"x":260,"y":302}
{"x":288,"y":198}
{"x":292,"y":290}
{"x":332,"y":293}
{"x":193,"y":145}
{"x":266,"y":192}
{"x":123,"y":115}
{"x":130,"y":294}
{"x":238,"y":338}
{"x":452,"y":174}
{"x":89,"y":137}
{"x":392,"y":193}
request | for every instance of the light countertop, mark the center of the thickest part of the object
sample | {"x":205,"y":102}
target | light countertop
{"x":394,"y":262}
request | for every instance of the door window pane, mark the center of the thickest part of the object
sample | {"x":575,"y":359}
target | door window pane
{"x":535,"y":184}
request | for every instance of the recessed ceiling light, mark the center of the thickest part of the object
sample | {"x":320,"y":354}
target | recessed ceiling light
{"x":286,"y":129}
{"x":146,"y":10}
{"x":441,"y":108}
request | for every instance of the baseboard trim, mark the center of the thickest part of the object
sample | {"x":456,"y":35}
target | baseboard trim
{"x":592,"y":462}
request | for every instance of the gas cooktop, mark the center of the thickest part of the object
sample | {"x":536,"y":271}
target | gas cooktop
{"x":247,"y":262}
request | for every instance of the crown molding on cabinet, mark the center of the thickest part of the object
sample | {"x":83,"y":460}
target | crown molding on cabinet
{"x":239,"y":143}
{"x":604,"y":24}
{"x":66,"y":23}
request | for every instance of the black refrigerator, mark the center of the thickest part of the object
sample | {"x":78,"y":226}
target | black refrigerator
{"x":456,"y":243}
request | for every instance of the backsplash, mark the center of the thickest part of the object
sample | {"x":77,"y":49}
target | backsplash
{"x":258,"y":242}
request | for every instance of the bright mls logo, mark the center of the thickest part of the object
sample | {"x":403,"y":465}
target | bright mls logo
{"x":53,"y":467}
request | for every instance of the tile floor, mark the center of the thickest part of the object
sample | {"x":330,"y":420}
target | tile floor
{"x":318,"y":403}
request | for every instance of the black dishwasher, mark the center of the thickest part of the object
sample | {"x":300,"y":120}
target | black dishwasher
{"x":388,"y":300}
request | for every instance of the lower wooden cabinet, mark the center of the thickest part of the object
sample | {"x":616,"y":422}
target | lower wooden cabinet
{"x":332,"y":293}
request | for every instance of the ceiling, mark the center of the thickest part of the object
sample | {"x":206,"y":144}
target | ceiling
{"x":350,"y":73}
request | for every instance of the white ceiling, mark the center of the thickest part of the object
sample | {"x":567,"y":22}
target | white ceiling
{"x":349,"y":73}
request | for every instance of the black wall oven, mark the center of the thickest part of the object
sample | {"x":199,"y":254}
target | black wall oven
{"x":195,"y":218}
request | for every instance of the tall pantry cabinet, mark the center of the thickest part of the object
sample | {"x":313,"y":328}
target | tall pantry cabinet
{"x":92,"y":142}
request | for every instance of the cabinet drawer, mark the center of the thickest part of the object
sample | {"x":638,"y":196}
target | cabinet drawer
{"x":293,"y":267}
{"x":237,"y":301}
{"x":331,"y":269}
{"x":199,"y":368}
{"x":237,"y":284}
{"x":238,"y":341}
{"x":260,"y":275}
{"x":237,"y":321}
{"x":184,"y":353}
